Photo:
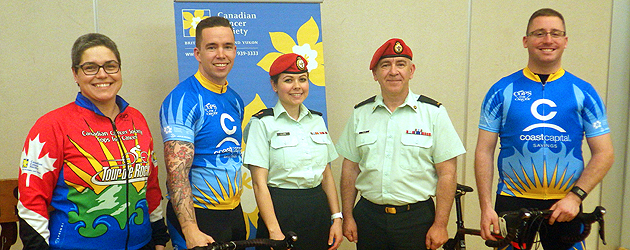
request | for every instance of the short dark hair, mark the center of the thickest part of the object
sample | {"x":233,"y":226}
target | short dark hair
{"x":90,"y":40}
{"x":213,"y":21}
{"x":544,"y":12}
{"x":275,"y":78}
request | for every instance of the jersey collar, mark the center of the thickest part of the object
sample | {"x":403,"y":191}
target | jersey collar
{"x":534,"y":77}
{"x":216,"y":88}
{"x":84,"y":102}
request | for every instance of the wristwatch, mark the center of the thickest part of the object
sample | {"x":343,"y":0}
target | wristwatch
{"x":579,"y":192}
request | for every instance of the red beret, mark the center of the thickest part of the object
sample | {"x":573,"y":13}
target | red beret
{"x":288,"y":63}
{"x":392,"y":48}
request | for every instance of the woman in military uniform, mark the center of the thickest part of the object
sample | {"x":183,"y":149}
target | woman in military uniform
{"x":288,"y":153}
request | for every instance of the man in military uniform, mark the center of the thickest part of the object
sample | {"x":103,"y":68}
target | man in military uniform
{"x":400,"y":150}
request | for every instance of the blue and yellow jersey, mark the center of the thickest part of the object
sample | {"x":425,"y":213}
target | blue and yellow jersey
{"x":541,"y":128}
{"x":210,"y":117}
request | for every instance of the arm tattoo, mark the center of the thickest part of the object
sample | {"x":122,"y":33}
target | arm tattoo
{"x":178,"y":156}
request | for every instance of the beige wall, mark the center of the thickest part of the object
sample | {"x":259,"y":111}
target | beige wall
{"x":460,"y":49}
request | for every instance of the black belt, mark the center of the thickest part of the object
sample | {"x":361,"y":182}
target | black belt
{"x":391,"y":209}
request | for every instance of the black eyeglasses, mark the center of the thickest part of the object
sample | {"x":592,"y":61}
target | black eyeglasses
{"x":90,"y":68}
{"x":543,"y":33}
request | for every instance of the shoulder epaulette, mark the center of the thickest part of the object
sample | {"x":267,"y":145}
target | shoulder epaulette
{"x":263,"y":113}
{"x":316,"y":112}
{"x":428,"y":100}
{"x":369,"y":100}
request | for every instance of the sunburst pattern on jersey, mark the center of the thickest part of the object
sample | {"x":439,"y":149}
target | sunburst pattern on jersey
{"x":85,"y":175}
{"x":524,"y":179}
{"x":226,"y":195}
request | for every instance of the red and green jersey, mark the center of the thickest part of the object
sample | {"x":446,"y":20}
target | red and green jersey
{"x":86,"y":181}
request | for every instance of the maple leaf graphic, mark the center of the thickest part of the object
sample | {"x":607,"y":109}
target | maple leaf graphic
{"x":31,"y":163}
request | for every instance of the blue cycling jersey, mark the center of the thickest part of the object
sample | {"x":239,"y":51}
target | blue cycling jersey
{"x":541,"y":127}
{"x":209,"y":116}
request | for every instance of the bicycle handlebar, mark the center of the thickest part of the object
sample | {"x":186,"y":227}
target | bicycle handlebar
{"x":517,"y":220}
{"x":287,"y":243}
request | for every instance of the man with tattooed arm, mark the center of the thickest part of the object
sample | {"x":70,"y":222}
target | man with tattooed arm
{"x":201,"y":128}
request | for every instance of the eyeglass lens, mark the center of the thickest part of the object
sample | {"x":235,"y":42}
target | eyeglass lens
{"x":110,"y":67}
{"x":542,"y":33}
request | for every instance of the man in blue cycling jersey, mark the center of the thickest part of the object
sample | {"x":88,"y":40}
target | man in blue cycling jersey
{"x":201,"y":129}
{"x":541,"y":113}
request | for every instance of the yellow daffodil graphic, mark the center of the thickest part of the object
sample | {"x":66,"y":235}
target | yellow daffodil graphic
{"x":306,"y":46}
{"x":190,"y":20}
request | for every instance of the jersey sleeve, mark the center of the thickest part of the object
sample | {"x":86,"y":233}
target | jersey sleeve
{"x":594,"y":119}
{"x":154,"y":192}
{"x":159,"y":234}
{"x":491,"y":111}
{"x":40,"y":165}
{"x":179,"y":116}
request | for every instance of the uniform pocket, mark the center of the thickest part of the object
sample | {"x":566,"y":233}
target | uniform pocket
{"x":282,"y":147}
{"x":278,"y":142}
{"x":368,"y":149}
{"x":415,"y":140}
{"x":321,"y":139}
{"x":365,"y":140}
{"x":415,"y":146}
{"x":319,"y":151}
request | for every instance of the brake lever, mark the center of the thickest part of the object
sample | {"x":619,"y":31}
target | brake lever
{"x":600,"y":220}
{"x":291,"y":237}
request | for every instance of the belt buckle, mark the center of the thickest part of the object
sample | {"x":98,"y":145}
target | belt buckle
{"x":390,"y":210}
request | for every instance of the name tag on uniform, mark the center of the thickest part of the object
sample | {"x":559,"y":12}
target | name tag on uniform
{"x":364,"y":132}
{"x":283,"y":134}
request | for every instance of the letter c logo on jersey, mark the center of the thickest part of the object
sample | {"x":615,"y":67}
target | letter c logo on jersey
{"x":537,"y":115}
{"x":228,"y":131}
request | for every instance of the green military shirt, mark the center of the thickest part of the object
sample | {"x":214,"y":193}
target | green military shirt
{"x":295,"y":152}
{"x":397,"y":151}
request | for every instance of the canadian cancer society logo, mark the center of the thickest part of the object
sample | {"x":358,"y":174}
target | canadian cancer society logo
{"x":190,"y":19}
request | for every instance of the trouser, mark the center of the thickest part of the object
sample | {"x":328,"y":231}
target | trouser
{"x":303,"y":211}
{"x":549,"y":234}
{"x":379,"y":228}
{"x":222,"y":225}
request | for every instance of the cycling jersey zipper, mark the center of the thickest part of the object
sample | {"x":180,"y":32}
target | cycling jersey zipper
{"x":123,"y":153}
{"x":544,"y":150}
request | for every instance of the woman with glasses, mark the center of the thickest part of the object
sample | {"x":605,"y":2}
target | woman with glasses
{"x":88,"y":177}
{"x":288,"y":153}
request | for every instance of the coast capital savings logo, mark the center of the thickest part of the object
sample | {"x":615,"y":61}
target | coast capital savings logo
{"x":306,"y":46}
{"x":190,"y":19}
{"x":550,"y":115}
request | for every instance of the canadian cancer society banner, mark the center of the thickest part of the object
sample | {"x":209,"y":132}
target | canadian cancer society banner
{"x":263,"y":32}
